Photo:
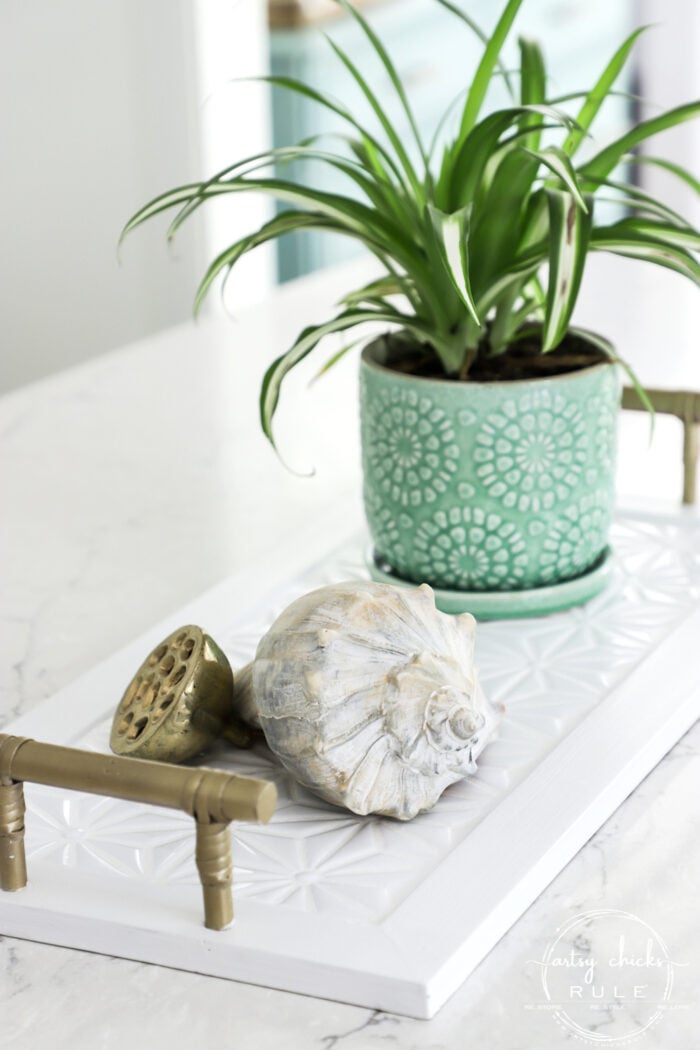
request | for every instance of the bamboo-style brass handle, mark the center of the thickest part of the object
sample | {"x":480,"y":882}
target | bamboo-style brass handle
{"x":212,"y":797}
{"x":684,"y":405}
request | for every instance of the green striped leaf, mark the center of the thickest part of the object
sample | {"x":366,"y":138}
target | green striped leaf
{"x":391,"y":133}
{"x":597,"y":340}
{"x":379,"y":193}
{"x":489,"y":61}
{"x":601,"y":90}
{"x":638,"y":200}
{"x":300,"y":88}
{"x":286,"y":222}
{"x":464,"y":166}
{"x":519,"y":275}
{"x":352,"y":216}
{"x":453,"y":235}
{"x":385,"y":59}
{"x":196,"y":198}
{"x":389,"y":285}
{"x":483,"y":37}
{"x":496,"y":236}
{"x":609,"y":351}
{"x":338,"y":356}
{"x":557,"y":161}
{"x":528,"y":310}
{"x":163,"y":202}
{"x":602,"y":164}
{"x":669,"y":233}
{"x":635,"y":245}
{"x":569,"y":232}
{"x":666,"y":165}
{"x":309,"y":339}
{"x":533,"y":86}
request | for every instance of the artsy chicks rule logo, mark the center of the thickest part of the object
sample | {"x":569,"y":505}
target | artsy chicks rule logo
{"x":607,"y":977}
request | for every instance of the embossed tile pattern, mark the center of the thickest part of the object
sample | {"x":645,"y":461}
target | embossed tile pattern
{"x":547,"y":674}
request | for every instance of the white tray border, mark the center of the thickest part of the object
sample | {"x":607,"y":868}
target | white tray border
{"x":413,"y":960}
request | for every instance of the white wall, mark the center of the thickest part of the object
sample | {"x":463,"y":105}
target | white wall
{"x":670,"y":76}
{"x":234,"y":122}
{"x":102,"y":105}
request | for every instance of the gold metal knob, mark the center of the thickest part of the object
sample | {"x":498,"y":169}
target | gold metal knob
{"x":178,"y":702}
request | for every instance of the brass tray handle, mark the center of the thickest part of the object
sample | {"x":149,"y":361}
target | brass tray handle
{"x":212,"y":797}
{"x":684,"y":405}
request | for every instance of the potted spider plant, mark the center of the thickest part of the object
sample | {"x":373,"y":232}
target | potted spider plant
{"x":488,"y":422}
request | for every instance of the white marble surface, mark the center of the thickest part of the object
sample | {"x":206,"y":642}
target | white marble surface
{"x":131,"y":484}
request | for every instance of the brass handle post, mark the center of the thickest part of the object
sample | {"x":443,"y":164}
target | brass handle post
{"x":13,"y":866}
{"x":215,"y":867}
{"x":684,"y":405}
{"x":212,"y":797}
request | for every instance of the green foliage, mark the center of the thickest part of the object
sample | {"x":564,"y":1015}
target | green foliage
{"x":463,"y":243}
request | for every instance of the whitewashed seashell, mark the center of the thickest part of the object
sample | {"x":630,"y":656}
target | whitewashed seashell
{"x":369,"y":696}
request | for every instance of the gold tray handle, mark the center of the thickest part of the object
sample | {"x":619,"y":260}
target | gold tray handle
{"x":212,"y":797}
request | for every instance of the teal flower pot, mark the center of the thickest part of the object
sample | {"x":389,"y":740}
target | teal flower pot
{"x":488,"y":487}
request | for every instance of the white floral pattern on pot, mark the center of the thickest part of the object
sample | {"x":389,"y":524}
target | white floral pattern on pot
{"x":488,"y":486}
{"x":412,"y":447}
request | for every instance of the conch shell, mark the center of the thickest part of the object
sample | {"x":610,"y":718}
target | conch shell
{"x":368,"y":695}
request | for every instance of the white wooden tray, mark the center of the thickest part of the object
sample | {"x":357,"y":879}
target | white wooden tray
{"x":367,"y":910}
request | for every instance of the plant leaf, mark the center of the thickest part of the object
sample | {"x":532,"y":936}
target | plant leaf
{"x":500,"y":328}
{"x":666,"y":165}
{"x":285,"y":222}
{"x":569,"y":232}
{"x":338,"y":356}
{"x":388,"y":285}
{"x":370,"y":225}
{"x":632,"y":197}
{"x":307,"y":341}
{"x":533,"y":85}
{"x":558,"y":162}
{"x":193,"y":195}
{"x":600,"y":166}
{"x":300,"y":88}
{"x":636,"y":245}
{"x":483,"y":37}
{"x":390,"y":69}
{"x":529,"y":308}
{"x":597,"y":340}
{"x":497,"y":234}
{"x":520,"y":273}
{"x":375,"y":191}
{"x":599,"y":92}
{"x":489,"y":60}
{"x":463,"y":167}
{"x":609,"y":350}
{"x":380,"y":114}
{"x":453,"y":235}
{"x":163,"y":202}
{"x":665,"y":232}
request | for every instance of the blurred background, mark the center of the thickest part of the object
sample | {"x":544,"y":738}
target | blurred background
{"x":105,"y":105}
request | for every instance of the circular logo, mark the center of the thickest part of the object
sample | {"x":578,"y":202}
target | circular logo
{"x":607,"y":977}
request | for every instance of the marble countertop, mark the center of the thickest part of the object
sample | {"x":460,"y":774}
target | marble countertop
{"x":134,"y":482}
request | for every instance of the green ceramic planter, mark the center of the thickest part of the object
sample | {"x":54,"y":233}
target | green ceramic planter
{"x":488,"y":487}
